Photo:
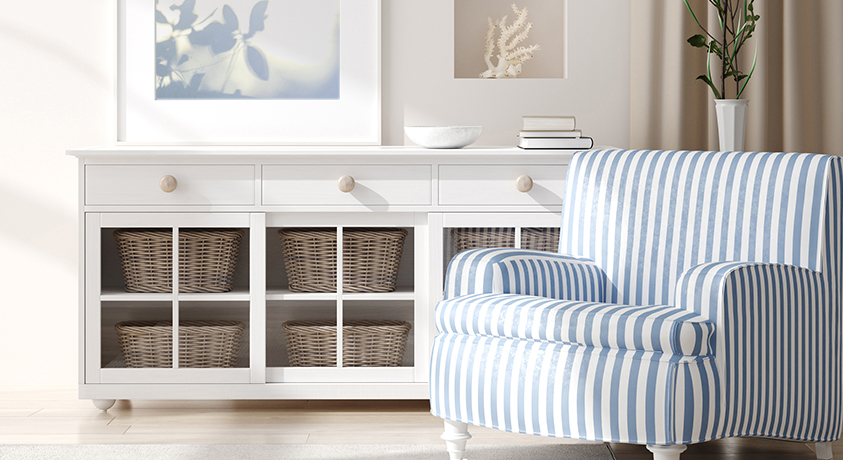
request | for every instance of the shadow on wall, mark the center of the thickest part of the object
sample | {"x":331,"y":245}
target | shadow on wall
{"x":42,"y":226}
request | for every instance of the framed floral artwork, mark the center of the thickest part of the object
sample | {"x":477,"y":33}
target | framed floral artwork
{"x":299,"y":72}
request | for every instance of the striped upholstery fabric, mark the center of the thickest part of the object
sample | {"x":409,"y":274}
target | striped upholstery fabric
{"x":592,"y":324}
{"x":729,"y":267}
{"x":523,"y":271}
{"x":554,"y":389}
{"x":779,"y":331}
{"x":645,"y":217}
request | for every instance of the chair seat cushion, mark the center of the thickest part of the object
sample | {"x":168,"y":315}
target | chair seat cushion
{"x":655,"y":328}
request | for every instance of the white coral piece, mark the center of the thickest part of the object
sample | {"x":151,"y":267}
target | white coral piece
{"x":509,"y":57}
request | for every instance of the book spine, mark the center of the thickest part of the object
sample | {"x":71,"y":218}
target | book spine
{"x":551,"y":134}
{"x":549,"y":123}
{"x":582,"y":143}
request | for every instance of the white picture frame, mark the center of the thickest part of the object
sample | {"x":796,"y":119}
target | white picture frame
{"x":353,"y":119}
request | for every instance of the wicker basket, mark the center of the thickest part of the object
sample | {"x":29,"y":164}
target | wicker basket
{"x":365,"y":343}
{"x":206,"y":259}
{"x":201,"y":343}
{"x":370,"y":258}
{"x":540,"y":239}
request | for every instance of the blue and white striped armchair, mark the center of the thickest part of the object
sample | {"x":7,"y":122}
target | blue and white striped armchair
{"x":695,"y":296}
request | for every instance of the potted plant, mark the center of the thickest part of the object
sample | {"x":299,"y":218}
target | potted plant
{"x":737,"y":21}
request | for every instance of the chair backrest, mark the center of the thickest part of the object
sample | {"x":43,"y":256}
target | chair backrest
{"x":647,"y":216}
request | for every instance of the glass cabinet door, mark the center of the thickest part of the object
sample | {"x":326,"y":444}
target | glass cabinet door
{"x":341,"y":301}
{"x":143,"y":290}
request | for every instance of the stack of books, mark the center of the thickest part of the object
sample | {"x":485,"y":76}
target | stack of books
{"x":552,"y":133}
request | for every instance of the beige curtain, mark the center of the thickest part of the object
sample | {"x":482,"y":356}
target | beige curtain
{"x":795,"y":96}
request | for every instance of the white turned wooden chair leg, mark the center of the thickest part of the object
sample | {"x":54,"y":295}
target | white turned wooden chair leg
{"x":823,"y":450}
{"x":666,"y":452}
{"x":103,"y":404}
{"x":455,"y":436}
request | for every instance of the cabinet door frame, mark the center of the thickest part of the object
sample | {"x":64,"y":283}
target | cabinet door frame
{"x":421,"y":310}
{"x":92,"y":314}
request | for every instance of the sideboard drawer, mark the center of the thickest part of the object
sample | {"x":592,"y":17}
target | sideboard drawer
{"x":498,"y":185}
{"x":146,"y":184}
{"x":368,"y":185}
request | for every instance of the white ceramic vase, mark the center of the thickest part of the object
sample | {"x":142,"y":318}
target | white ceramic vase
{"x":731,"y":123}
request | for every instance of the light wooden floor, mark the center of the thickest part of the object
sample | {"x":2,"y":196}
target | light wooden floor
{"x":49,"y":415}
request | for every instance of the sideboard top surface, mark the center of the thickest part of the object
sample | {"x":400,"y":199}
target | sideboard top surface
{"x":385,"y":152}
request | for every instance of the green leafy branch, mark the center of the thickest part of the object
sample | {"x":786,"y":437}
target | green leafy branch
{"x":737,"y":23}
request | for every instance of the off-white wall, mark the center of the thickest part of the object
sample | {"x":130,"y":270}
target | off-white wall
{"x":57,"y":88}
{"x":55,"y":58}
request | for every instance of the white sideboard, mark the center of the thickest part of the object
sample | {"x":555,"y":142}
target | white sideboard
{"x":262,"y":190}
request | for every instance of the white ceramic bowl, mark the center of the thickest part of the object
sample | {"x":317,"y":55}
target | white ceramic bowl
{"x":443,"y":137}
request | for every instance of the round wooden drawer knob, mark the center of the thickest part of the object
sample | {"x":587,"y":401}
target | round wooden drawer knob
{"x":524,"y":183}
{"x":345,"y":184}
{"x":168,"y":183}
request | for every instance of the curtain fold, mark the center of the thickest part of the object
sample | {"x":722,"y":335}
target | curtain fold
{"x":795,"y":95}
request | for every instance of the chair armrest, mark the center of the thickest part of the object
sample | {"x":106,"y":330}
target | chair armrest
{"x":527,"y":272}
{"x":777,"y":339}
{"x":709,"y":289}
